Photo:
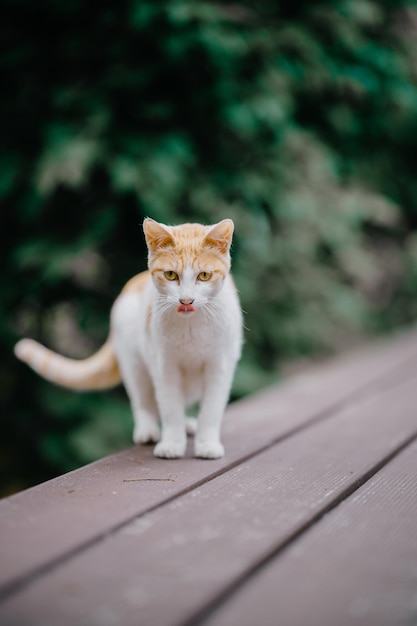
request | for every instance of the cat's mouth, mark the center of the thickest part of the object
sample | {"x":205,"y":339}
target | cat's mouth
{"x":185,"y":308}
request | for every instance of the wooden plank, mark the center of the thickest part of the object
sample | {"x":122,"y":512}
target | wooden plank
{"x":103,"y":496}
{"x":172,"y":563}
{"x":357,"y":566}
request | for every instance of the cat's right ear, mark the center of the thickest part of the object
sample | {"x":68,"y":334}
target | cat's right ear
{"x":220,"y":235}
{"x":157,"y":235}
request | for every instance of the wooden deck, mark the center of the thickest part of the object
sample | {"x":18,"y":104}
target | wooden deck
{"x":309,"y":519}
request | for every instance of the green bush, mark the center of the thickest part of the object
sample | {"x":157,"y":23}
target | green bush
{"x":295,"y":119}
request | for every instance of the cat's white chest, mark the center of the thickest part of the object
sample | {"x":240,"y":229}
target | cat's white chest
{"x":190,"y":342}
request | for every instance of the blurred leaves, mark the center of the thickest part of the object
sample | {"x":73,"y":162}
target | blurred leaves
{"x":298,"y":120}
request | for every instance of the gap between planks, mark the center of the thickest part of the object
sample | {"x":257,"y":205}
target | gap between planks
{"x":207,"y":611}
{"x":356,"y":567}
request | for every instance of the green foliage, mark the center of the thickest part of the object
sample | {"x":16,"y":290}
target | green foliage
{"x":295,"y":119}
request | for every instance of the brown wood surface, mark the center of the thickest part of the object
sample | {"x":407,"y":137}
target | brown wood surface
{"x":356,"y":566}
{"x":48,"y":523}
{"x":185,"y":547}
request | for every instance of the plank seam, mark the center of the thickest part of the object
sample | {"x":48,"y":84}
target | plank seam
{"x":201,"y":616}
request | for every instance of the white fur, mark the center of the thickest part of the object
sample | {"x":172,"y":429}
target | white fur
{"x":172,"y":360}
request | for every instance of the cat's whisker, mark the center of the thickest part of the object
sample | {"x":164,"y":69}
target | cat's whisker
{"x":212,"y":308}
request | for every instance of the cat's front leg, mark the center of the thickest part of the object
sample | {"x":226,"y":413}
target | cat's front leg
{"x":217,"y":383}
{"x":171,"y":407}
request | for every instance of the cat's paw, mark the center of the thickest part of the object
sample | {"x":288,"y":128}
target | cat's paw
{"x":191,"y":425}
{"x":170,"y":449}
{"x":208,"y":449}
{"x":147,"y":433}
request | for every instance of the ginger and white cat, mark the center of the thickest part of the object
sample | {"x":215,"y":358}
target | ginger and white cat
{"x":175,"y":338}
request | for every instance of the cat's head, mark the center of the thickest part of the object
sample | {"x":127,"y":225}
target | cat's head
{"x":190,"y":262}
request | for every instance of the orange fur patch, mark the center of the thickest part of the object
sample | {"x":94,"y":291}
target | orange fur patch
{"x":189,"y":247}
{"x":137,"y":283}
{"x":99,"y":371}
{"x":148,"y":317}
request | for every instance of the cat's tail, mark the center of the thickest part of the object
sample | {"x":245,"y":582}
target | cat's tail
{"x":99,"y":371}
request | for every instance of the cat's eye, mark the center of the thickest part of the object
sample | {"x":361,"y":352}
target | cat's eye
{"x":204,"y":276}
{"x":170,"y":275}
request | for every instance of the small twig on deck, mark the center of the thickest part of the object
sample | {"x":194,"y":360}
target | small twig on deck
{"x":170,"y":479}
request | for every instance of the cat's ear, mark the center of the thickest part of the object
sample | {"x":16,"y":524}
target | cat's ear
{"x":220,"y":236}
{"x":157,"y":235}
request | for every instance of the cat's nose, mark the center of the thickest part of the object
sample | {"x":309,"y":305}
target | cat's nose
{"x":186,"y":300}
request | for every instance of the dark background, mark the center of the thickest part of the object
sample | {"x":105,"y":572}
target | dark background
{"x":296,"y":119}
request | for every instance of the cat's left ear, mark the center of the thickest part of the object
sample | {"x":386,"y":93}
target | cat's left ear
{"x":220,"y":235}
{"x":157,"y":235}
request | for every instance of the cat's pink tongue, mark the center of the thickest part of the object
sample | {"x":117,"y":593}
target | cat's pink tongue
{"x":185,"y":308}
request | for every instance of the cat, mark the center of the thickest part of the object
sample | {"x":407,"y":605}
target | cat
{"x":175,"y":339}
